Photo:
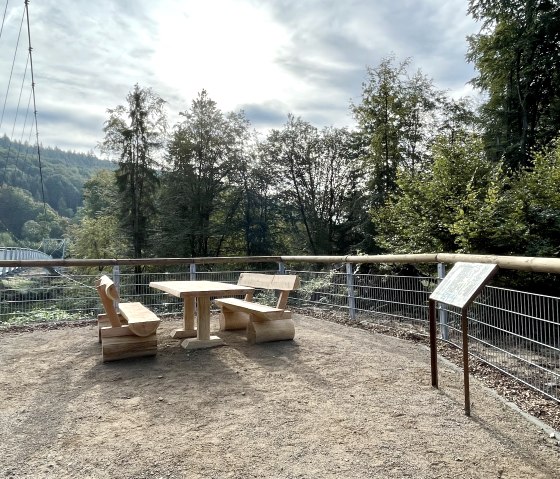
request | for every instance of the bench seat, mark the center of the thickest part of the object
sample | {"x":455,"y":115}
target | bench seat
{"x":141,"y":321}
{"x":256,"y":309}
{"x":262,"y":323}
{"x":128,"y":332}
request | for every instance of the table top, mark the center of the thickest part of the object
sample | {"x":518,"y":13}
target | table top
{"x":183,"y":289}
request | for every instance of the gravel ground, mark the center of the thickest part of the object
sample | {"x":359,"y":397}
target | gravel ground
{"x":336,"y":402}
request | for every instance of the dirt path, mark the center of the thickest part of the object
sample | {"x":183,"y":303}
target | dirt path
{"x":335,"y":403}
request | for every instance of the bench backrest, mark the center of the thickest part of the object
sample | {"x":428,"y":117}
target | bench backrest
{"x":108,"y":293}
{"x":284,"y":283}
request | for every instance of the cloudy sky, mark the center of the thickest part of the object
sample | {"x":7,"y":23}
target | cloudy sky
{"x":266,"y":57}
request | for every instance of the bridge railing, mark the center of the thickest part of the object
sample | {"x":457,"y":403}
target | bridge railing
{"x":19,"y":254}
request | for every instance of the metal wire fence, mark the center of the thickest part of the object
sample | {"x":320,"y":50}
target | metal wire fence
{"x":513,"y":331}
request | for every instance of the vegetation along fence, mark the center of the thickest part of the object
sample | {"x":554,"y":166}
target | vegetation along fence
{"x":514,"y":331}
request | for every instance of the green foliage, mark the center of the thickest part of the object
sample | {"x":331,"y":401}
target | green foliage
{"x":99,"y":237}
{"x":319,"y":184}
{"x":46,"y":315}
{"x":537,"y":189}
{"x":64,"y":173}
{"x":135,"y":133}
{"x":397,"y":119}
{"x":26,"y":220}
{"x":466,"y":203}
{"x":267,"y":297}
{"x":312,"y":288}
{"x":462,"y":204}
{"x":207,"y":154}
{"x":517,"y":55}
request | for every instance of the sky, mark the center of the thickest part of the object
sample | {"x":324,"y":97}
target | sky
{"x":269,"y":58}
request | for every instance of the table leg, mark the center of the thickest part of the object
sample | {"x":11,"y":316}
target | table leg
{"x":203,"y":310}
{"x":203,"y":338}
{"x":188,"y":330}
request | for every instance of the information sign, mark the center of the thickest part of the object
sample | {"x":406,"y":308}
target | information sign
{"x":463,"y":283}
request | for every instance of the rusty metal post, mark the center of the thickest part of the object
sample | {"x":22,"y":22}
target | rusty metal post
{"x":433,"y":342}
{"x":465,"y":332}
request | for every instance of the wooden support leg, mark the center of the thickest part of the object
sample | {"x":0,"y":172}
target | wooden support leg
{"x":121,"y":347}
{"x":203,"y":338}
{"x":232,"y":320}
{"x":188,"y":330}
{"x":272,"y":330}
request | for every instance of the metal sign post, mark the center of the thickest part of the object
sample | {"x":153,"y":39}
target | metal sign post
{"x":459,"y":288}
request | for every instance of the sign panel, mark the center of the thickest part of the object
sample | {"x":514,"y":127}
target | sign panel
{"x":463,"y":283}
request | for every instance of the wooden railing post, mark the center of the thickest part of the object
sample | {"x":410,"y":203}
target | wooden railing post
{"x":281,"y":268}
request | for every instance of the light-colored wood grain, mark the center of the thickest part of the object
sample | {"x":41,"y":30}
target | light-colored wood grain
{"x":183,"y":333}
{"x":273,"y":330}
{"x":123,"y":333}
{"x":141,"y":321}
{"x":194,"y":343}
{"x":233,"y":320}
{"x":102,"y":286}
{"x":256,"y":280}
{"x":121,"y":347}
{"x":199,"y":292}
{"x":188,"y":313}
{"x":263,"y":323}
{"x":203,"y":312}
{"x":258,"y":310}
{"x":198,"y":289}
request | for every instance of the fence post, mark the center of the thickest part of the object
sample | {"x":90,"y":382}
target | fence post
{"x":10,"y":257}
{"x":5,"y":257}
{"x":117,"y":276}
{"x":350,"y":285}
{"x":442,"y":312}
{"x":281,"y":268}
{"x":192,"y":271}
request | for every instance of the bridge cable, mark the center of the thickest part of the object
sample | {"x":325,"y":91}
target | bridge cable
{"x":3,"y":19}
{"x":20,"y":144}
{"x":15,"y":121}
{"x":35,"y":109}
{"x":12,"y":70}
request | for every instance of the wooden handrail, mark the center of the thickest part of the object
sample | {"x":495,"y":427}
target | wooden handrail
{"x":521,"y":263}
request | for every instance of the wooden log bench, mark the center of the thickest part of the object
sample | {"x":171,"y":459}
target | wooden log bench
{"x":129,"y":332}
{"x":262,"y":323}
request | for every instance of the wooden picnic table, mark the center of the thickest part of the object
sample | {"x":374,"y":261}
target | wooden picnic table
{"x":198,"y":294}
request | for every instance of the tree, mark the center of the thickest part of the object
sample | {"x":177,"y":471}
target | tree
{"x":136,"y":133}
{"x":537,"y":190}
{"x":318,"y":179}
{"x":258,"y":214}
{"x":206,"y":151}
{"x":463,"y":203}
{"x":95,"y":232}
{"x":396,"y":120}
{"x":517,"y":55}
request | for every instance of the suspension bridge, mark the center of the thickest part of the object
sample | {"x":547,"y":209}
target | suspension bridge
{"x":49,"y":249}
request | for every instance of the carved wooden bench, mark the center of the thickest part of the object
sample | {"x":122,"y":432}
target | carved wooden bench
{"x":263,"y":323}
{"x":127,"y":333}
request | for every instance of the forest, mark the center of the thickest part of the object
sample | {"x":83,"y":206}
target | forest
{"x":420,"y":171}
{"x":24,"y":219}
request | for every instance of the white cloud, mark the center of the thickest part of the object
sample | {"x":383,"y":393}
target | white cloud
{"x":270,"y":57}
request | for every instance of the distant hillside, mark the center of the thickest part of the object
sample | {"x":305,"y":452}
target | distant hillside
{"x":64,"y":173}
